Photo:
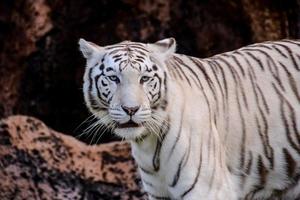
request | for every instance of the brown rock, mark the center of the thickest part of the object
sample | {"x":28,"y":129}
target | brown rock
{"x":39,"y":163}
{"x":269,"y":20}
{"x":27,"y":21}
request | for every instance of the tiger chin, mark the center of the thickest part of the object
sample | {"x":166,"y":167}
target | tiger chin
{"x":224,"y":127}
{"x":132,"y":133}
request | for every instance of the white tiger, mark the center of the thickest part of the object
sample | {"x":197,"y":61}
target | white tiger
{"x":224,"y":127}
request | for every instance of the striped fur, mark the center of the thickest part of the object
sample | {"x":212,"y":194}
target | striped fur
{"x":224,"y":127}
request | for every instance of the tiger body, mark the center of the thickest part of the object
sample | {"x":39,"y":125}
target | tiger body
{"x":224,"y":127}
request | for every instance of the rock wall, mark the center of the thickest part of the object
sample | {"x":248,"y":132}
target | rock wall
{"x":41,"y":68}
{"x":39,"y":163}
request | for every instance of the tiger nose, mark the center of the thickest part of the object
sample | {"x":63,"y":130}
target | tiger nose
{"x":130,"y":110}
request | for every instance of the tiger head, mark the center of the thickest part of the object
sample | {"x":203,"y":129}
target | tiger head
{"x":125,"y":85}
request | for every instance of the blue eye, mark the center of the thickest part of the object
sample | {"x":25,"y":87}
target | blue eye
{"x":144,"y":79}
{"x":114,"y":78}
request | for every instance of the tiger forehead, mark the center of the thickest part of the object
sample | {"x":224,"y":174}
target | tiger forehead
{"x":128,"y":55}
{"x":129,"y":47}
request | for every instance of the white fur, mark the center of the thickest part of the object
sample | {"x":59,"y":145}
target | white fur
{"x":211,"y":124}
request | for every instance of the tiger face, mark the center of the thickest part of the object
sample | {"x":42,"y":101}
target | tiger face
{"x":125,"y":85}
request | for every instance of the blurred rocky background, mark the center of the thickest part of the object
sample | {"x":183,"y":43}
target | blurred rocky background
{"x":41,"y":73}
{"x":41,"y":68}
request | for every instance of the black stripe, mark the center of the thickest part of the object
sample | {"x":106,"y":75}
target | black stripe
{"x":189,"y":148}
{"x":117,"y":56}
{"x":90,"y":79}
{"x":242,"y":154}
{"x":98,"y":91}
{"x":135,"y":47}
{"x":251,"y":194}
{"x":264,"y":45}
{"x":171,"y":69}
{"x":234,"y":73}
{"x":141,"y":57}
{"x":103,"y":58}
{"x":118,"y":59}
{"x":159,"y":197}
{"x":249,"y":165}
{"x":267,"y":147}
{"x":236,"y":78}
{"x":178,"y":172}
{"x":148,"y":183}
{"x":212,"y":176}
{"x":118,"y":50}
{"x":139,"y":60}
{"x":196,"y":179}
{"x":252,"y":79}
{"x":175,"y":67}
{"x":200,"y":84}
{"x":290,"y":53}
{"x":146,"y":171}
{"x":265,"y":54}
{"x":165,"y":102}
{"x":181,"y":71}
{"x":276,"y":73}
{"x":213,"y":66}
{"x":156,"y":156}
{"x":263,"y":133}
{"x":225,"y":105}
{"x":118,"y":46}
{"x":295,"y":42}
{"x":208,"y":79}
{"x":279,"y":51}
{"x":104,"y":84}
{"x":93,"y":102}
{"x":293,"y":121}
{"x":262,"y":171}
{"x":155,"y":100}
{"x":256,"y":59}
{"x":290,"y":162}
{"x":181,"y":63}
{"x":285,"y":120}
{"x":263,"y":100}
{"x":292,"y":82}
{"x":178,"y":132}
{"x":233,"y":56}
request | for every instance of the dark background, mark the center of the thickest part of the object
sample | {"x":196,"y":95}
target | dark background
{"x":41,"y":68}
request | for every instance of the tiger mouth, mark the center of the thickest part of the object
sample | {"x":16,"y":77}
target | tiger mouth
{"x":129,"y":124}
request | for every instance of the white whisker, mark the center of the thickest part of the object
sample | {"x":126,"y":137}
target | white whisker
{"x":88,"y":119}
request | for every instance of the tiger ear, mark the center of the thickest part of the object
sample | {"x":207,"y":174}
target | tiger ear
{"x":89,"y":49}
{"x":163,"y":47}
